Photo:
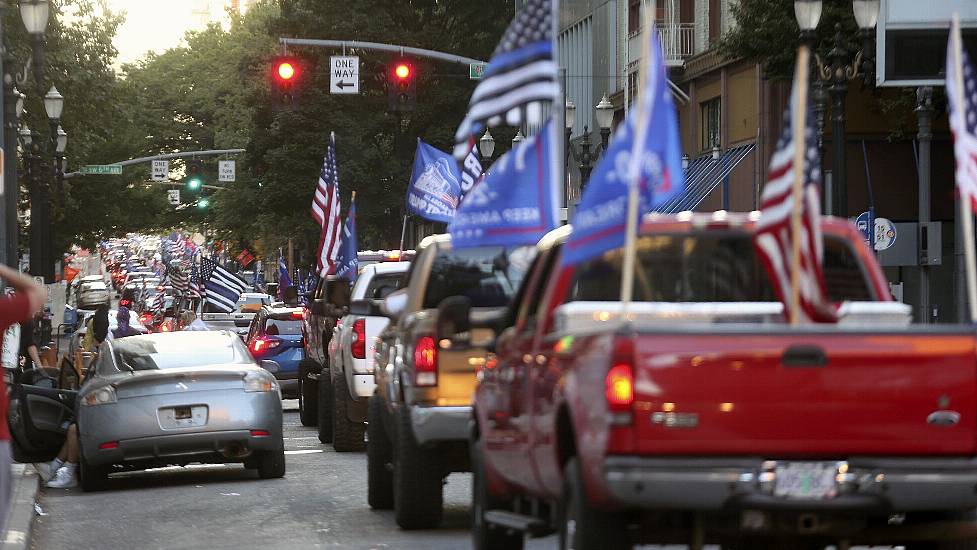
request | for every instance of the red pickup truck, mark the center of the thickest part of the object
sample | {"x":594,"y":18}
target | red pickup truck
{"x":704,"y":417}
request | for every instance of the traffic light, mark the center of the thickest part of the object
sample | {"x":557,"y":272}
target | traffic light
{"x":203,"y":202}
{"x":402,"y":86}
{"x":286,"y":75}
{"x":194,"y":176}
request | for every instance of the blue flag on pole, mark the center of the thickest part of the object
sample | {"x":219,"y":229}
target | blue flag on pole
{"x":284,"y":281}
{"x":516,"y":202}
{"x":347,"y":264}
{"x":435,"y":185}
{"x":645,"y":151}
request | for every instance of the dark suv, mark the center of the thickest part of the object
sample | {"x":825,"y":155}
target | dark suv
{"x":328,"y":302}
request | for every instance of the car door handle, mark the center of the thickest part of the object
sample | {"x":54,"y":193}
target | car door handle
{"x":804,"y":356}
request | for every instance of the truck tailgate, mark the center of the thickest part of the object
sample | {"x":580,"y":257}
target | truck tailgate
{"x":810,"y":392}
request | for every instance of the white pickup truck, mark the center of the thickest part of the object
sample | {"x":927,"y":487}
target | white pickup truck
{"x":351,"y":354}
{"x":238,"y":320}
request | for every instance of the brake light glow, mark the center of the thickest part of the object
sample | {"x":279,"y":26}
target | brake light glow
{"x":298,"y":315}
{"x":358,"y":348}
{"x":264,"y":343}
{"x":619,"y":387}
{"x":260,"y":433}
{"x":109,"y":445}
{"x":425,"y":362}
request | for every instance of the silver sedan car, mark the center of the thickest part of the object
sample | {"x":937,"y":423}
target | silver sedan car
{"x":175,"y":398}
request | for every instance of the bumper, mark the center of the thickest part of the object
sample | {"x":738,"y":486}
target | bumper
{"x":440,"y":423}
{"x":884,"y":485}
{"x":136,"y":424}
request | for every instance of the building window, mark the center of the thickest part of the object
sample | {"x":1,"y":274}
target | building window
{"x":714,"y":21}
{"x":709,"y":114}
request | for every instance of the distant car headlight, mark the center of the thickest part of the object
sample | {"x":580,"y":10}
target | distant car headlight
{"x":101,"y":396}
{"x":257,"y":381}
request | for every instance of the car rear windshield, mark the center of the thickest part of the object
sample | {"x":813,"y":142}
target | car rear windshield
{"x":709,"y":268}
{"x":281,"y":327}
{"x":382,"y":284}
{"x":146,"y":354}
{"x":488,"y":276}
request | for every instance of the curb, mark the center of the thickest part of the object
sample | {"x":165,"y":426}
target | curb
{"x":25,"y":486}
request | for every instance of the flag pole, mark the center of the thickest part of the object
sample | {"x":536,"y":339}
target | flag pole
{"x":403,"y":232}
{"x":634,"y":173}
{"x":966,"y":208}
{"x":799,"y":122}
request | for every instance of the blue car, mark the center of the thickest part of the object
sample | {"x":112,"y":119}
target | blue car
{"x":276,"y":335}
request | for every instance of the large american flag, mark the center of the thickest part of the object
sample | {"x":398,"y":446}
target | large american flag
{"x":178,"y":279}
{"x":521,"y":74}
{"x":774,"y":236}
{"x":223,"y":287}
{"x":195,"y":285}
{"x":963,"y":123}
{"x":325,"y":210}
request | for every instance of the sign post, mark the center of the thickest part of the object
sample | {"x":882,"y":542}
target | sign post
{"x":226,"y":170}
{"x":344,"y":74}
{"x":161,"y":170}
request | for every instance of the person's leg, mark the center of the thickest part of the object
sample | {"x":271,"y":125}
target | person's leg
{"x":72,"y":445}
{"x":67,"y":475}
{"x":48,"y":469}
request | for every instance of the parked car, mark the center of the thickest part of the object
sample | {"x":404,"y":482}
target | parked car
{"x":145,"y":403}
{"x":276,"y":335}
{"x":238,"y":320}
{"x":351,"y":355}
{"x":328,"y":302}
{"x":92,"y":295}
{"x":420,"y":414}
{"x":702,"y":415}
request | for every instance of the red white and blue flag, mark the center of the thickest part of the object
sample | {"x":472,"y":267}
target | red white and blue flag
{"x":963,"y":121}
{"x":325,"y":210}
{"x":774,"y":236}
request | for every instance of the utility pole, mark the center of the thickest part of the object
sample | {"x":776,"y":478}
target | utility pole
{"x":924,"y":115}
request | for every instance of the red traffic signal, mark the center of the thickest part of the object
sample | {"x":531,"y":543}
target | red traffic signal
{"x":286,"y":70}
{"x":402,"y":71}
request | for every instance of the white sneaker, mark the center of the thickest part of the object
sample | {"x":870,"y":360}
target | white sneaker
{"x":64,"y":478}
{"x":47,"y":469}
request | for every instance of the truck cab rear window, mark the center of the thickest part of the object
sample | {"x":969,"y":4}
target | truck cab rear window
{"x":708,"y":268}
{"x":488,"y":276}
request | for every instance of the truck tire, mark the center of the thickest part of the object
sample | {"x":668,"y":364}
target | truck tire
{"x":325,"y":407}
{"x":418,"y":479}
{"x":347,"y":436}
{"x":927,"y":517}
{"x":485,"y":536}
{"x":379,"y":459}
{"x":582,"y":527}
{"x":93,"y":478}
{"x":308,"y":396}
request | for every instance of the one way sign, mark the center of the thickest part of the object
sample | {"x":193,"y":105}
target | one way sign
{"x":344,"y":74}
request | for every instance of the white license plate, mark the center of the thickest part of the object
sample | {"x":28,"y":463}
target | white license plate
{"x":183,"y":417}
{"x":807,"y":480}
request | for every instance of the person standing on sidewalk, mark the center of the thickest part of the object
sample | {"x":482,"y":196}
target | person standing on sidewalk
{"x":28,"y":299}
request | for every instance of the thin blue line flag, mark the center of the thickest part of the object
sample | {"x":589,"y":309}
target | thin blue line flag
{"x":347,"y":264}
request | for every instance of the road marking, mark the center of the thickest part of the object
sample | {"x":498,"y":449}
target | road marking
{"x":303,"y":452}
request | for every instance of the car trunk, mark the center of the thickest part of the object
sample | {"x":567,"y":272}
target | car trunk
{"x":816,"y":392}
{"x":159,"y":382}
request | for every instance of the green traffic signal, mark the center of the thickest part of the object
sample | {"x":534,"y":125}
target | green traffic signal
{"x":193,"y":184}
{"x":203,"y":202}
{"x":194,"y":176}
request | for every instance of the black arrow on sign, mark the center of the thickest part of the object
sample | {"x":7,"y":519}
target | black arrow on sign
{"x":342,"y":84}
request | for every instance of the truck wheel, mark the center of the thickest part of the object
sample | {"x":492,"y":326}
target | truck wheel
{"x":379,"y":459}
{"x":325,"y":407}
{"x":582,"y":527}
{"x":271,"y":464}
{"x":418,"y":487}
{"x":928,"y":517}
{"x":93,"y":478}
{"x":346,"y":435}
{"x":308,"y":396}
{"x":485,"y":536}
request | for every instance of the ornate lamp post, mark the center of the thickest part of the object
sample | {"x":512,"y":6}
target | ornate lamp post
{"x":604,"y":112}
{"x":486,"y":147}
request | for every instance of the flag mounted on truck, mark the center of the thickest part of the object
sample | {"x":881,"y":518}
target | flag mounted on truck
{"x":435,"y":184}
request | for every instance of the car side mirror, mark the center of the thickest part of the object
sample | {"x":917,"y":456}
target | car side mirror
{"x":270,"y":366}
{"x":395,"y":304}
{"x":454,"y":325}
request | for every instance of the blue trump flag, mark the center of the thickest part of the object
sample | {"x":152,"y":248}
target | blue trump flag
{"x":347,"y":264}
{"x":284,"y":281}
{"x":435,"y":185}
{"x":646,"y":152}
{"x":516,"y":202}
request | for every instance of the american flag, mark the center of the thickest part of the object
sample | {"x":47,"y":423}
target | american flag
{"x":325,"y":210}
{"x":195,"y":289}
{"x":963,"y":121}
{"x":177,"y":247}
{"x":223,"y":287}
{"x":520,"y":75}
{"x":157,"y":305}
{"x":178,"y":279}
{"x":774,"y":234}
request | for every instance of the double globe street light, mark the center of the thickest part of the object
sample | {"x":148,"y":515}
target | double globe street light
{"x":604,"y":112}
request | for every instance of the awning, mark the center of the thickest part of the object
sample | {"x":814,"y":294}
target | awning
{"x":703,"y":175}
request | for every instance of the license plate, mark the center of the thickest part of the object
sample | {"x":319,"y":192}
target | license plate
{"x":806,"y":480}
{"x":192,"y":416}
{"x":181,"y":413}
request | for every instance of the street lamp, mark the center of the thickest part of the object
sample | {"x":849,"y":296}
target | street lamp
{"x":517,"y":139}
{"x":34,"y":13}
{"x":53,"y":104}
{"x":604,"y":112}
{"x":605,"y":118}
{"x":486,"y":145}
{"x":25,"y":137}
{"x":62,"y":141}
{"x":841,"y":67}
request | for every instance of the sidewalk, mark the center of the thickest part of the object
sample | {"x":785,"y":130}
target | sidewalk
{"x":26,"y":484}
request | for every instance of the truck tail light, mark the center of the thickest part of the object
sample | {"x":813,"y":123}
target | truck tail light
{"x":619,"y":383}
{"x":358,"y":349}
{"x":425,"y":362}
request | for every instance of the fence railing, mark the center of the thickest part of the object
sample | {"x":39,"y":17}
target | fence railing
{"x":677,"y":42}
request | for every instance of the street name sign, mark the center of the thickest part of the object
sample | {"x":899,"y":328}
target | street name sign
{"x":344,"y":74}
{"x":476,"y":70}
{"x":161,"y":170}
{"x":113,"y":169}
{"x":225,"y":170}
{"x":173,"y":195}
